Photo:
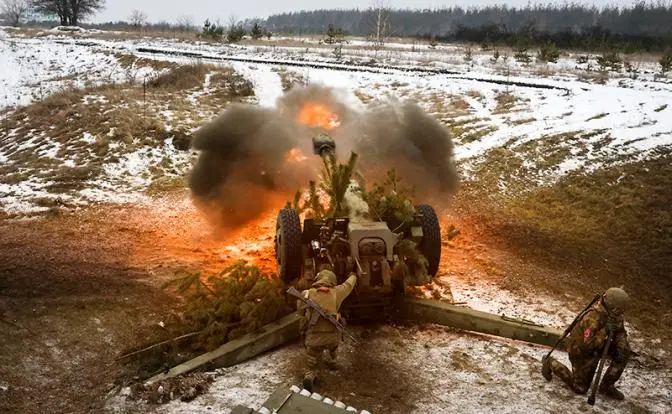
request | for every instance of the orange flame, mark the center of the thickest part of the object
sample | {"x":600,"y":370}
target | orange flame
{"x":318,"y":115}
{"x":295,"y":155}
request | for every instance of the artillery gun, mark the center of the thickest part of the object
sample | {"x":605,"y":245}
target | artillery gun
{"x":366,"y":247}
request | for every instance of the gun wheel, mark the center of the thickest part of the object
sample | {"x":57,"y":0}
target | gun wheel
{"x":288,"y":244}
{"x":430,"y":246}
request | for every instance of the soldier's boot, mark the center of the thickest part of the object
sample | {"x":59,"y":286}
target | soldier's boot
{"x":616,"y":367}
{"x":611,"y":391}
{"x":556,"y":367}
{"x":546,"y":367}
{"x":309,"y":380}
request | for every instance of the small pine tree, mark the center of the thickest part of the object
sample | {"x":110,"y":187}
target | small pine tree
{"x":548,"y":53}
{"x":522,"y":56}
{"x":610,"y":61}
{"x":495,"y":57}
{"x":235,"y":34}
{"x":257,"y":32}
{"x":236,"y":301}
{"x":212,"y":31}
{"x":333,"y":35}
{"x":335,"y":180}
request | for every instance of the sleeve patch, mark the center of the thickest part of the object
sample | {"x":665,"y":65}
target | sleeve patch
{"x":587,"y":333}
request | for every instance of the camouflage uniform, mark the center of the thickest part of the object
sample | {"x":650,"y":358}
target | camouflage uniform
{"x":323,"y":336}
{"x":585,"y":344}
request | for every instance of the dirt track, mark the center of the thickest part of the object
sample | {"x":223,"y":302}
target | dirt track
{"x":77,"y":289}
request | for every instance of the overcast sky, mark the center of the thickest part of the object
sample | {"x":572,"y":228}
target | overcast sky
{"x":199,"y":10}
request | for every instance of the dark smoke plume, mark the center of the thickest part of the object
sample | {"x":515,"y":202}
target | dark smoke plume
{"x":403,"y":136}
{"x":245,"y":166}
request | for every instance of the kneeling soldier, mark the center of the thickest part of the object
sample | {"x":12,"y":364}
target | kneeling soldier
{"x":586,"y":342}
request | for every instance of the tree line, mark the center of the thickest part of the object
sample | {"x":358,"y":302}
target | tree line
{"x":642,"y":26}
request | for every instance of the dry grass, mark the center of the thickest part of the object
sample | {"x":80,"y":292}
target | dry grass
{"x":227,"y":85}
{"x":67,"y":179}
{"x":544,"y":71}
{"x":146,"y":34}
{"x":609,"y":227}
{"x":183,"y":78}
{"x":505,"y":103}
{"x":469,"y":130}
{"x":598,"y":116}
{"x":447,"y":105}
{"x":661,"y":108}
{"x":599,"y":78}
{"x":290,"y":79}
{"x":473,"y":93}
{"x":166,"y":185}
{"x":521,"y":121}
{"x":363,"y":96}
{"x":127,"y":61}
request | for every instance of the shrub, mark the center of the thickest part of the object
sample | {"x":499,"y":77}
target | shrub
{"x":521,"y":55}
{"x":212,"y":31}
{"x":232,"y":303}
{"x":549,"y":53}
{"x":257,"y":32}
{"x":666,"y":61}
{"x":610,"y":61}
{"x":235,"y":34}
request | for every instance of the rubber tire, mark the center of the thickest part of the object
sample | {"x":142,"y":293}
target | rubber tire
{"x":430,"y":245}
{"x":288,"y":250}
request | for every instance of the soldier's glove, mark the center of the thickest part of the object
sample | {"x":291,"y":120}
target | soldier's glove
{"x":350,"y":265}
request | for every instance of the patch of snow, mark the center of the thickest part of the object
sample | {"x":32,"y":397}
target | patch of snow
{"x":267,"y":85}
{"x":67,"y":29}
{"x":88,"y":138}
{"x":89,"y":99}
{"x":51,"y":151}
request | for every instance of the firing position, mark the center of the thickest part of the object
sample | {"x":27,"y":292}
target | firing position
{"x":586,"y":341}
{"x":319,"y":334}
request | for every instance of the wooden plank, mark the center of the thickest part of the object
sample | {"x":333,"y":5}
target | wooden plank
{"x":234,"y":352}
{"x":468,"y":319}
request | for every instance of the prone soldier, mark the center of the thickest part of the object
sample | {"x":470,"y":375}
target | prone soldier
{"x":587,"y":340}
{"x":322,"y":336}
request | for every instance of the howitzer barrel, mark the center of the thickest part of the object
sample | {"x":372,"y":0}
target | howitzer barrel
{"x":323,"y":145}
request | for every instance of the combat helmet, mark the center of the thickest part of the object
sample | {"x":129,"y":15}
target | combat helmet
{"x":325,"y":278}
{"x":616,"y":300}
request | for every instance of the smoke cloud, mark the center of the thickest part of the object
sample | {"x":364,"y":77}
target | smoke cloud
{"x":253,"y":159}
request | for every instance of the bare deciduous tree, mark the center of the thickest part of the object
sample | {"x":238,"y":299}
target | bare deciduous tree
{"x":138,"y":18}
{"x":380,"y":20}
{"x":69,"y":11}
{"x":14,"y":10}
{"x":185,"y":23}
